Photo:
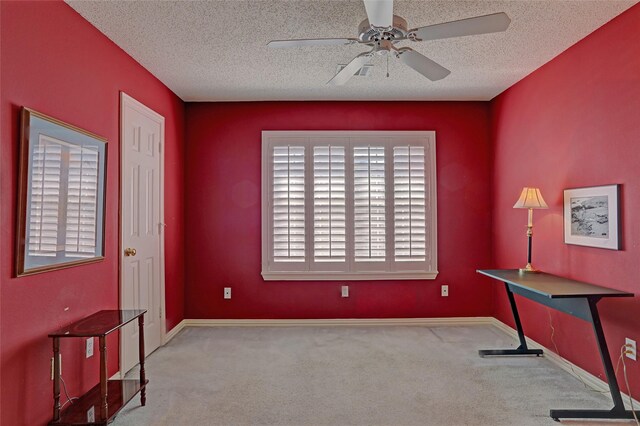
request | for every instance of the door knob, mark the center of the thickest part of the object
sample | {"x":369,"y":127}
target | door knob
{"x":129,"y":251}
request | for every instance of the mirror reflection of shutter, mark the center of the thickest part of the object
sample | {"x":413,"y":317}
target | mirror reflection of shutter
{"x":82,"y":203}
{"x":44,"y":200}
{"x":288,"y":204}
{"x":409,"y":203}
{"x":369,"y":203}
{"x":329,"y":204}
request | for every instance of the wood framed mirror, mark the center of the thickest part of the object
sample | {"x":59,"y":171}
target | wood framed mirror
{"x":61,"y":195}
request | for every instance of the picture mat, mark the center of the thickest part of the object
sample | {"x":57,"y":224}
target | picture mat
{"x":591,"y":216}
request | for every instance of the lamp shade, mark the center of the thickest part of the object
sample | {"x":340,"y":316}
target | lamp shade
{"x":530,"y":198}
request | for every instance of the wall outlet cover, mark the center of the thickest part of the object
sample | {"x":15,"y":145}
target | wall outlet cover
{"x":345,"y":291}
{"x":227,"y":292}
{"x":444,"y":290}
{"x":89,"y":343}
{"x":631,"y":351}
{"x":91,"y":414}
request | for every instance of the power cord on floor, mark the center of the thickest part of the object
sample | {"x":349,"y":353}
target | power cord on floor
{"x":575,"y":373}
{"x":623,"y":350}
{"x":69,"y":400}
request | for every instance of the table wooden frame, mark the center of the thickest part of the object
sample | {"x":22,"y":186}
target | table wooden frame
{"x":574,"y":298}
{"x":109,"y":395}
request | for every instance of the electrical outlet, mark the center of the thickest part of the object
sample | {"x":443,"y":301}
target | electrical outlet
{"x":630,"y":351}
{"x":91,"y":414}
{"x":444,"y":290}
{"x":59,"y":363}
{"x":345,"y":291}
{"x":89,"y":347}
{"x":227,"y":292}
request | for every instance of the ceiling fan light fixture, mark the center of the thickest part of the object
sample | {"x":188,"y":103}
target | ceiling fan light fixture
{"x":365,"y":71}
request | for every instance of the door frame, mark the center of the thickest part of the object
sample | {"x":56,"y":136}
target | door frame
{"x":127,"y":100}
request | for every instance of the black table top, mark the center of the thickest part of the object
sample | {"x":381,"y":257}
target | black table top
{"x":551,"y":286}
{"x":99,"y":324}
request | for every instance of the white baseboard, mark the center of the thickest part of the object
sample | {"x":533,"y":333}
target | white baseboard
{"x":587,"y":378}
{"x":173,"y":332}
{"x":353,"y":322}
{"x":350,"y":322}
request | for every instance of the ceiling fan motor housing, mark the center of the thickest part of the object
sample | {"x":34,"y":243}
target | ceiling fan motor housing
{"x":369,"y":34}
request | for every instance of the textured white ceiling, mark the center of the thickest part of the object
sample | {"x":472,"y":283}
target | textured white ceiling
{"x":216,"y":50}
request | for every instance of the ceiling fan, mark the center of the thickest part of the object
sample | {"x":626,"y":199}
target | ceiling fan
{"x":383,"y":30}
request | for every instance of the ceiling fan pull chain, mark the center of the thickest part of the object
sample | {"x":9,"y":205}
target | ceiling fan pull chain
{"x":387,"y":66}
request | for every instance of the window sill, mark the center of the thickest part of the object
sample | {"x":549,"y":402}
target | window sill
{"x":346,"y":276}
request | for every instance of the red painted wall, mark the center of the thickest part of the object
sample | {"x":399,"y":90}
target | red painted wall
{"x":57,"y":63}
{"x":574,"y":123}
{"x":223,"y":211}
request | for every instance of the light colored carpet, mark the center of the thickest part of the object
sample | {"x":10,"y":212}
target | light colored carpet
{"x":351,"y":376}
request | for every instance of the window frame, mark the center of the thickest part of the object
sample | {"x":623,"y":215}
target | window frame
{"x":310,"y":270}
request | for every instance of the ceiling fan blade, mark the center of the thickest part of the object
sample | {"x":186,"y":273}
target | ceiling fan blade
{"x":352,"y":67}
{"x":379,"y":12}
{"x":493,"y":23}
{"x":312,"y":42}
{"x":425,"y":66}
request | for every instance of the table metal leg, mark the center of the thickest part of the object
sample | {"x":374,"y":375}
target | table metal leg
{"x":143,"y":380}
{"x":522,"y":349}
{"x":618,"y":411}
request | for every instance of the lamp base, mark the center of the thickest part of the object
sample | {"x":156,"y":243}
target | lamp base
{"x":529,"y":269}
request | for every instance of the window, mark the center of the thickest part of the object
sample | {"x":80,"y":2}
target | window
{"x":348,"y":205}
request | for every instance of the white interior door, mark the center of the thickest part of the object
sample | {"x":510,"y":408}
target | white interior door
{"x":142,"y":253}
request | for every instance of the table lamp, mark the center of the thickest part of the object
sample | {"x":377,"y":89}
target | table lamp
{"x":530,"y":198}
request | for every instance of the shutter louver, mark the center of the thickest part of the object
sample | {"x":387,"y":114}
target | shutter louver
{"x":44,"y":200}
{"x":329,"y":204}
{"x":409,"y":203}
{"x":82,"y":203}
{"x":288,"y":204}
{"x":369,"y":203}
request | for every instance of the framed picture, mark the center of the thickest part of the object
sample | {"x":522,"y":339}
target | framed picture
{"x":61,"y":195}
{"x":592,"y":216}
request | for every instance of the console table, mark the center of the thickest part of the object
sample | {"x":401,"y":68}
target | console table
{"x":100,"y":405}
{"x":574,"y":298}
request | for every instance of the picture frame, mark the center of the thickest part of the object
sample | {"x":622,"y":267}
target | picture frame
{"x":592,"y":216}
{"x":61,"y":195}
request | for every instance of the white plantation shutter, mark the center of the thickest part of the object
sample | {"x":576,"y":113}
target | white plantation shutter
{"x":329,"y":204}
{"x":369,"y":203}
{"x":44,"y":198}
{"x":288,"y":204}
{"x":343,"y":205}
{"x":82,"y":203}
{"x":409,"y":203}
